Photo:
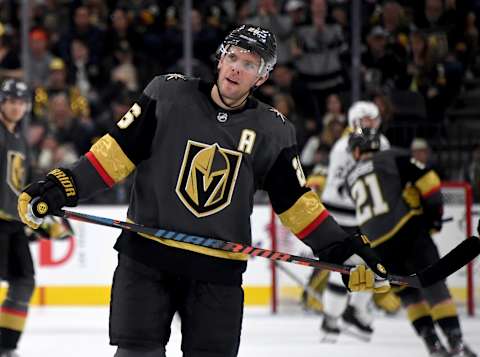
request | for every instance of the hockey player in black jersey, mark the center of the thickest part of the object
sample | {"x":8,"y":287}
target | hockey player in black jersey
{"x":398,"y":202}
{"x":16,"y":264}
{"x":199,"y":152}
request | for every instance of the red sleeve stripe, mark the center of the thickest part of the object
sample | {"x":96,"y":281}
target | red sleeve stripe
{"x":316,"y":222}
{"x":15,"y":312}
{"x":431,"y":192}
{"x":100,"y":170}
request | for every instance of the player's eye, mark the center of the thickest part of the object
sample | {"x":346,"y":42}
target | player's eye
{"x":231,"y":57}
{"x":250,"y":66}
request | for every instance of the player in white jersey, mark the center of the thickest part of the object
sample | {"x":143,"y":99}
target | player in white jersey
{"x":336,"y":199}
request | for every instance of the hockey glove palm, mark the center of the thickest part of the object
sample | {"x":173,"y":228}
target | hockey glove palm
{"x":47,"y":197}
{"x":368,"y":272}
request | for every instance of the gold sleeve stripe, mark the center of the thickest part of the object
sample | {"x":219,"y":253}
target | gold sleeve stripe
{"x":428,"y":183}
{"x":396,"y":228}
{"x":109,"y":160}
{"x":197,"y":249}
{"x":443,"y":310}
{"x":304,"y":215}
{"x":417,"y":311}
{"x":12,"y":319}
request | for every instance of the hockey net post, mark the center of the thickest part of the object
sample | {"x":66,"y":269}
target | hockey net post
{"x":458,"y":200}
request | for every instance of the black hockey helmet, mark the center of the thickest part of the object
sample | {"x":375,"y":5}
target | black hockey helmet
{"x":14,"y":88}
{"x":367,"y":139}
{"x":255,"y":39}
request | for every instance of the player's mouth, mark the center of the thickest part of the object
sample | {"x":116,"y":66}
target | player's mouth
{"x":231,"y":81}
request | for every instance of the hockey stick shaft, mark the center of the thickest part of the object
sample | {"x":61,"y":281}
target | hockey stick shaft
{"x":458,"y":257}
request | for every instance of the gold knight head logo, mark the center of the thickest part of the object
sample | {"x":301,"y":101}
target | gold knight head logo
{"x":207,"y":178}
{"x":16,"y":174}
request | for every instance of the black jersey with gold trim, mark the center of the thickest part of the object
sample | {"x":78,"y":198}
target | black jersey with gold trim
{"x":197,"y":167}
{"x":376,"y":185}
{"x":13,"y":171}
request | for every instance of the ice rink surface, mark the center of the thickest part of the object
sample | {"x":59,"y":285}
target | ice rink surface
{"x":81,"y":332}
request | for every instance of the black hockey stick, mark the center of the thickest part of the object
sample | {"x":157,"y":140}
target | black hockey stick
{"x":454,"y":260}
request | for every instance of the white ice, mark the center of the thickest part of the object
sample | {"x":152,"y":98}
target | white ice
{"x":81,"y":332}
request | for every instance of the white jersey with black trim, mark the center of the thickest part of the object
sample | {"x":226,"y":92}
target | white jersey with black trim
{"x":335,"y":195}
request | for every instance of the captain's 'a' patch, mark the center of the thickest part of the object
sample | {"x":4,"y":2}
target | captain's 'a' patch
{"x":207,"y":177}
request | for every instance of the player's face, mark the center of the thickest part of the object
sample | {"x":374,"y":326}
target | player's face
{"x":238,"y":72}
{"x":370,"y":123}
{"x":14,"y":109}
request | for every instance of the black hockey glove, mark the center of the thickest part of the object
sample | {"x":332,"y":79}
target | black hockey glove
{"x":47,"y":197}
{"x":368,"y":272}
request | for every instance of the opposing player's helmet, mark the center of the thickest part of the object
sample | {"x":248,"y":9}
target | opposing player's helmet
{"x":367,"y":140}
{"x":255,"y":39}
{"x":360,"y":110}
{"x":13,"y":88}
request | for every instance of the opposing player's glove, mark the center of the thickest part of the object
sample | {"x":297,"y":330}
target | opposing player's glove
{"x":368,"y":273}
{"x":47,"y":197}
{"x":411,"y":196}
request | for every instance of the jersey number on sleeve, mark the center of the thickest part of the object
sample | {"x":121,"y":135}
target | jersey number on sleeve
{"x":129,"y":117}
{"x":297,"y":166}
{"x":363,"y":189}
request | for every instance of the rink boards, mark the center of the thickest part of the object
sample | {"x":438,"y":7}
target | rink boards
{"x":79,"y":271}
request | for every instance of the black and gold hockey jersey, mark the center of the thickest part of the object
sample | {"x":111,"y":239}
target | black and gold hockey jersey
{"x":197,"y":167}
{"x":376,"y":186}
{"x":13,"y":170}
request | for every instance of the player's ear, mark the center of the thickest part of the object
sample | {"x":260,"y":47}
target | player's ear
{"x":261,"y":80}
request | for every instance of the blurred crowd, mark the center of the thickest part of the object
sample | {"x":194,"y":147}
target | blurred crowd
{"x":89,"y":59}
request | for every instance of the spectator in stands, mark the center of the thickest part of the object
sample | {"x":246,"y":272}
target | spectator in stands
{"x":331,"y":132}
{"x":82,"y":28}
{"x":10,"y":66}
{"x":318,"y":50}
{"x":285,"y":104}
{"x":67,"y":128}
{"x":467,"y":46}
{"x":334,"y":110}
{"x":57,"y":83}
{"x":267,"y":15}
{"x":82,"y":72}
{"x":386,"y":109}
{"x":120,"y":29}
{"x":295,"y":9}
{"x":123,"y":69}
{"x":40,"y":57}
{"x":205,"y":39}
{"x":98,"y":12}
{"x":427,"y":77}
{"x":381,"y":68}
{"x":52,"y":154}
